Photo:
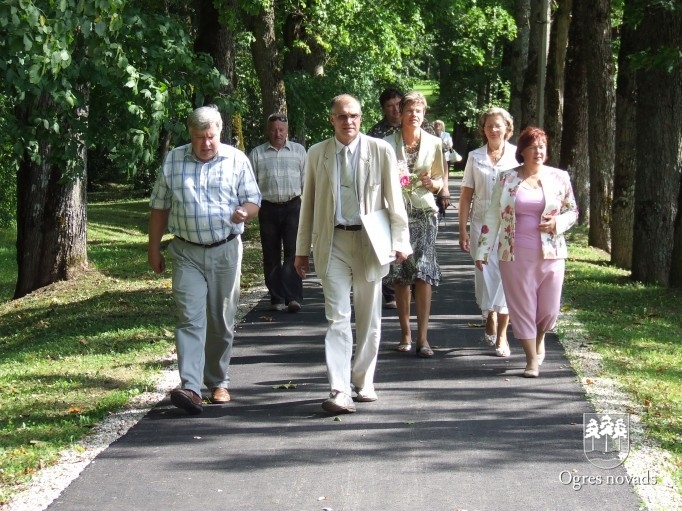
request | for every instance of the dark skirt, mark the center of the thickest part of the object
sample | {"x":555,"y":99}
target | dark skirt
{"x":422,"y":263}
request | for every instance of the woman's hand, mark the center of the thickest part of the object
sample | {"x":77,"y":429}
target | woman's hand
{"x":464,"y":241}
{"x":427,"y":182}
{"x":479,"y":264}
{"x":548,"y":224}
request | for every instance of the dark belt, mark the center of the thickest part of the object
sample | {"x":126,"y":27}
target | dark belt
{"x":210,"y":245}
{"x":348,"y":227}
{"x":298,"y":197}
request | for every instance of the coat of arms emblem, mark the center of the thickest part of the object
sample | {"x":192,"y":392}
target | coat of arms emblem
{"x":606,"y":438}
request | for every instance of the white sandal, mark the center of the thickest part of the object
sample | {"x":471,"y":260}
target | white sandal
{"x":503,"y":351}
{"x":490,"y":340}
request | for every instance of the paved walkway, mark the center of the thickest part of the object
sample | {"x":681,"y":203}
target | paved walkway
{"x":460,"y":431}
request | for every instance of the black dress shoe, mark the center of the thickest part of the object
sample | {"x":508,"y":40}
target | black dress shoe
{"x":187,"y":400}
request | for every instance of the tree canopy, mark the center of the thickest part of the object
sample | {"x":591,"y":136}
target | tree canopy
{"x":96,"y":91}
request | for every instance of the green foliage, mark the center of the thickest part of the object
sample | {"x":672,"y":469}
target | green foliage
{"x":8,"y":182}
{"x":86,"y":73}
{"x":369,"y":46}
{"x":470,"y":39}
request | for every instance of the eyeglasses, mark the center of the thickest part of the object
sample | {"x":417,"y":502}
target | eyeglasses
{"x":278,"y":117}
{"x":347,"y":117}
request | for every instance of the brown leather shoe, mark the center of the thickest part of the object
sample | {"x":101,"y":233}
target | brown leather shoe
{"x":187,"y":400}
{"x":220,"y":395}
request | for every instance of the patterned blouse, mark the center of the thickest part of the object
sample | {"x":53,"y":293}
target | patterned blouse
{"x":500,"y":217}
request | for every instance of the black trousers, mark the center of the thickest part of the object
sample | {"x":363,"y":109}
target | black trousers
{"x":278,"y":229}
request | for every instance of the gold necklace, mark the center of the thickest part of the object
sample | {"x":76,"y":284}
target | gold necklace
{"x":530,"y":180}
{"x":495,"y":155}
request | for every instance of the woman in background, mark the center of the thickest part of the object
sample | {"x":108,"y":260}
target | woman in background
{"x":480,"y":174}
{"x":531,"y":207}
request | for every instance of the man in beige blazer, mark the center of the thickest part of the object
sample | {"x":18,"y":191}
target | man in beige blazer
{"x":332,"y":203}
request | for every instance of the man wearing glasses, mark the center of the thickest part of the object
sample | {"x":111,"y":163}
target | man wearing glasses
{"x":279,"y":166}
{"x":348,"y":176}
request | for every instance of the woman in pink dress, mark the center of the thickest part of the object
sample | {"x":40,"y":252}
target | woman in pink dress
{"x":530,"y":209}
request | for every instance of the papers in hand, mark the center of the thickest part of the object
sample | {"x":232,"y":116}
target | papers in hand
{"x":378,"y":228}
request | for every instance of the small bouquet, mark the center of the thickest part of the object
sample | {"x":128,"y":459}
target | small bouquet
{"x":409,"y":182}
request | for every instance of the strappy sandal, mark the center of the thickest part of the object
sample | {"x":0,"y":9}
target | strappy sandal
{"x":424,"y":351}
{"x":404,"y":347}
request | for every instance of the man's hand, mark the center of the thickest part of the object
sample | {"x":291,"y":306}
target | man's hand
{"x":239,"y":216}
{"x":399,"y":257}
{"x":156,"y":260}
{"x":302,"y":265}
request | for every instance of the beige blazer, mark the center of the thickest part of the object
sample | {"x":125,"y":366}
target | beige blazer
{"x":379,"y":188}
{"x":429,"y":161}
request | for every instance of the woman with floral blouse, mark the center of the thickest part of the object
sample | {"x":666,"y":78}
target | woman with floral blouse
{"x":530,"y":209}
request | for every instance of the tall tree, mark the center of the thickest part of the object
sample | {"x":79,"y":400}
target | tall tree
{"x":601,"y":119}
{"x":554,"y":85}
{"x":529,"y":95}
{"x":44,"y":76}
{"x":265,"y":51}
{"x":574,"y":154}
{"x":214,"y":36}
{"x":623,"y":208}
{"x":657,"y":231}
{"x":522,"y":16}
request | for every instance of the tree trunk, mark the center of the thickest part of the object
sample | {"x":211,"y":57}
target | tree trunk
{"x":51,"y":217}
{"x":529,"y":96}
{"x":659,"y":132}
{"x":309,"y":57}
{"x":267,"y":61}
{"x":218,"y":41}
{"x":519,"y":59}
{"x":554,"y":87}
{"x":623,"y":207}
{"x":574,"y":156}
{"x":601,"y":119}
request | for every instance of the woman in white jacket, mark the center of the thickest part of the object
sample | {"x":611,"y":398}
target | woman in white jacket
{"x":482,"y":170}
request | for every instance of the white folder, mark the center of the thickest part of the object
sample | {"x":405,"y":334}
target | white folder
{"x":378,"y":228}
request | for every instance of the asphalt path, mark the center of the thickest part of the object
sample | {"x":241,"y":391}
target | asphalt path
{"x":460,"y":431}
